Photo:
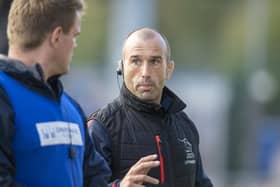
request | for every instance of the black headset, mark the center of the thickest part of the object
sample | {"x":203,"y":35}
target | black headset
{"x":119,"y":72}
{"x":120,"y":68}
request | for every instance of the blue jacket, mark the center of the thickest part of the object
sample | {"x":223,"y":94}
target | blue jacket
{"x":43,"y":138}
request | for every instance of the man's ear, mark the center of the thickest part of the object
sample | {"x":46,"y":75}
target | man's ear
{"x":55,"y":36}
{"x":169,"y":69}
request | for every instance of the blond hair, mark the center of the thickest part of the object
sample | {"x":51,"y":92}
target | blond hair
{"x":30,"y":21}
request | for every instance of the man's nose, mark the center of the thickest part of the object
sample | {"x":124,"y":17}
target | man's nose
{"x":145,"y":69}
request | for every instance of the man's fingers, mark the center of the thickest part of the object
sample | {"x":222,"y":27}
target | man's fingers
{"x":147,"y":158}
{"x":137,"y":185}
{"x":136,"y":176}
{"x":144,"y":167}
{"x":140,"y":179}
{"x":137,"y":181}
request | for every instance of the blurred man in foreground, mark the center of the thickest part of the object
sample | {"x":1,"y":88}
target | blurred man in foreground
{"x":43,"y":136}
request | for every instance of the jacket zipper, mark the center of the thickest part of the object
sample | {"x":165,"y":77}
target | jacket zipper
{"x":161,"y":165}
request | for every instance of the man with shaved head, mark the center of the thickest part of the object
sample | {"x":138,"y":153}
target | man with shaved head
{"x":144,"y":134}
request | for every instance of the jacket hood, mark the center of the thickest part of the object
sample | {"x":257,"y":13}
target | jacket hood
{"x":17,"y":68}
{"x":32,"y":77}
{"x":170,"y":102}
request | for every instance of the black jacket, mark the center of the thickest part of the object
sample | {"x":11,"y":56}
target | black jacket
{"x":128,"y":129}
{"x":95,"y":169}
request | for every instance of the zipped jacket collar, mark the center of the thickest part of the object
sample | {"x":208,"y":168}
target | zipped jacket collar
{"x":170,"y":103}
{"x":32,"y":77}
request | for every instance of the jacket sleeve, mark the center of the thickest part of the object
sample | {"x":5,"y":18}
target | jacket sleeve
{"x":96,"y":171}
{"x":100,"y":136}
{"x":7,"y":162}
{"x":202,"y":179}
{"x":103,"y":145}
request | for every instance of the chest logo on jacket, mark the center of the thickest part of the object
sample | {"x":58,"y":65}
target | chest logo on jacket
{"x":59,"y":132}
{"x":189,"y":155}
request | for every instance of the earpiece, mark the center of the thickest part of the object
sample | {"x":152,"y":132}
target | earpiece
{"x":119,"y":71}
{"x":120,"y":68}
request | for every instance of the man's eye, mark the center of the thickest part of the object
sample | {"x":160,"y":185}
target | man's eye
{"x":135,"y":61}
{"x":155,"y":61}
